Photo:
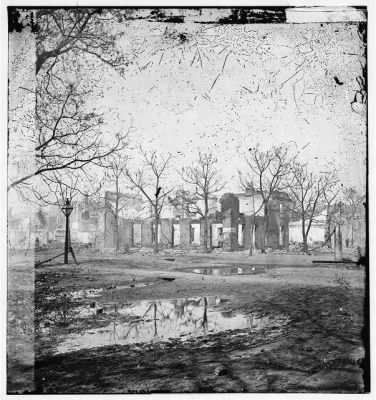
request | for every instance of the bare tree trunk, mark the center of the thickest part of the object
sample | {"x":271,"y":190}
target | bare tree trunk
{"x":155,"y":320}
{"x":329,"y":227}
{"x":116,"y":235}
{"x":156,"y":222}
{"x":266,"y":227}
{"x":305,"y":244}
{"x":335,"y":241}
{"x":206,"y":233}
{"x":251,"y":244}
{"x":304,"y":235}
{"x":206,"y":224}
{"x":117,"y":216}
{"x":340,"y":254}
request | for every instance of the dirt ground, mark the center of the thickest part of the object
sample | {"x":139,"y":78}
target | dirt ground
{"x":318,"y":348}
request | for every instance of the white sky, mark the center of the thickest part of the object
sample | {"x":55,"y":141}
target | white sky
{"x":259,"y":83}
{"x":175,"y":108}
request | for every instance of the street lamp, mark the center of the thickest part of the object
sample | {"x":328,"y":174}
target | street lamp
{"x":67,"y":210}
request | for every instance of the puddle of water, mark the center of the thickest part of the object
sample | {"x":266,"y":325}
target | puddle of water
{"x":163,"y":320}
{"x":257,"y":269}
{"x":133,"y":285}
{"x":81,"y":294}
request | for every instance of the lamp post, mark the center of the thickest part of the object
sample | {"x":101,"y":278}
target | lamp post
{"x":67,"y":210}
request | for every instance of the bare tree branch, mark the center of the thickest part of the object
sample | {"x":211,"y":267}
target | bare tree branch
{"x":85,"y":29}
{"x":205,"y":181}
{"x":308,"y":192}
{"x":266,"y":174}
{"x":149,"y":180}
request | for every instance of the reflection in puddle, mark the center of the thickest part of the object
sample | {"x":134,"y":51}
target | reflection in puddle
{"x":163,"y":320}
{"x":133,"y":285}
{"x":81,"y":294}
{"x":257,"y":269}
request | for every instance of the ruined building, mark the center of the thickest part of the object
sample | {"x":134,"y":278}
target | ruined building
{"x":230,"y":221}
{"x":93,"y":224}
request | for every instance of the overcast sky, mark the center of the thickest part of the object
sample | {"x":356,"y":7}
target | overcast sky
{"x":226,"y":88}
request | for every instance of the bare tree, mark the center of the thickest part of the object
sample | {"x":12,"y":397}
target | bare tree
{"x":67,"y":185}
{"x":354,"y":200}
{"x":267,"y":171}
{"x":79,"y":30}
{"x":148,"y":179}
{"x":68,"y":136}
{"x":62,"y":185}
{"x":205,"y":180}
{"x":307,"y":191}
{"x":115,"y":171}
{"x":330,"y":194}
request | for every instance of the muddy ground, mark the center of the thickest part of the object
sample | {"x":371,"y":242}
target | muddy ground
{"x":312,"y":342}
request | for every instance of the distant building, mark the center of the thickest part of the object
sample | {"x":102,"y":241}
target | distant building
{"x":318,"y":231}
{"x":252,"y":213}
{"x":178,"y":207}
{"x":327,"y":223}
{"x":91,"y":223}
{"x":27,"y":230}
{"x":231,"y":221}
{"x":249,"y":202}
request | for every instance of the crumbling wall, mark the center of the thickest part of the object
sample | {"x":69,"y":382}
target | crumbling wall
{"x":126,"y":233}
{"x":185,"y":233}
{"x":166,"y":233}
{"x":146,"y":234}
{"x":273,"y":232}
{"x":230,"y":212}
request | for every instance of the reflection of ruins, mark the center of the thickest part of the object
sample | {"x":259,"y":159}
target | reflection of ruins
{"x":229,"y":271}
{"x":163,"y":320}
{"x":181,"y":316}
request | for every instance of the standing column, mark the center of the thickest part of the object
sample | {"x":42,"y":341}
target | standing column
{"x":146,"y":234}
{"x":166,"y":233}
{"x":338,"y":243}
{"x":185,"y":233}
{"x":230,"y":212}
